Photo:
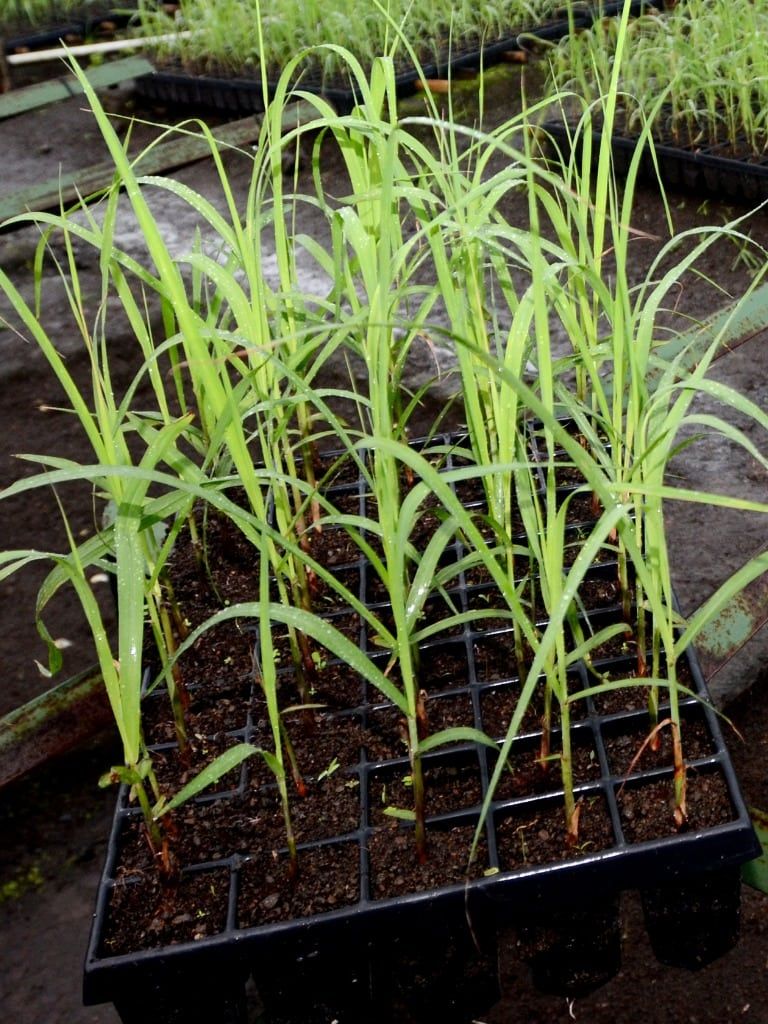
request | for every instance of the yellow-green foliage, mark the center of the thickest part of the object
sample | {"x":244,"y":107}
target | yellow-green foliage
{"x":36,"y":12}
{"x":709,"y":56}
{"x":224,"y":33}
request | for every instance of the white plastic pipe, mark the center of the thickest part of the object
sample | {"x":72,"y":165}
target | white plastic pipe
{"x":84,"y":49}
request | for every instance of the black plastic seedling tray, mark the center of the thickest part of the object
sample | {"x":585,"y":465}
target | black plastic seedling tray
{"x":45,"y":37}
{"x":243,"y":95}
{"x":76,"y":27}
{"x":706,"y":170}
{"x":333,"y":952}
{"x":240,"y":94}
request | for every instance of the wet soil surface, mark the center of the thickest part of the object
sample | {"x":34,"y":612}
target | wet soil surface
{"x":55,"y":823}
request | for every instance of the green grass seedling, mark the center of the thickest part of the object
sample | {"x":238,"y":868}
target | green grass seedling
{"x":705,"y":58}
{"x":40,"y":12}
{"x":222,"y":36}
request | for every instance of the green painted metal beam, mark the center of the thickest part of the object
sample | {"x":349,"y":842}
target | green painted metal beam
{"x":53,"y":723}
{"x":89,"y":182}
{"x":737,"y":623}
{"x":733,"y":326}
{"x":18,"y":101}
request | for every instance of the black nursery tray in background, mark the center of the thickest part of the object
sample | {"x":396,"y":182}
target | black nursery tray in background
{"x":240,"y":94}
{"x":75,"y":28}
{"x":339,"y":950}
{"x":708,"y":170}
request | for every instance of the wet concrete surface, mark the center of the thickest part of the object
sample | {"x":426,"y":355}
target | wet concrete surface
{"x":53,"y":838}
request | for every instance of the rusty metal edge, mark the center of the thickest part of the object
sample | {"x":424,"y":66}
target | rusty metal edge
{"x":52,"y":724}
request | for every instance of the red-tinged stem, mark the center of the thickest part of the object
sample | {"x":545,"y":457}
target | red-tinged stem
{"x":290,"y":839}
{"x":298,"y":781}
{"x":177,"y":690}
{"x":545,"y":746}
{"x":680,"y":778}
{"x":566,"y":774}
{"x":158,"y":841}
{"x":417,"y":785}
{"x":419,"y":807}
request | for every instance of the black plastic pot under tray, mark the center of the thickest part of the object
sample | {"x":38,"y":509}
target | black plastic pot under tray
{"x":704,"y":170}
{"x":692,"y":923}
{"x":348,"y":954}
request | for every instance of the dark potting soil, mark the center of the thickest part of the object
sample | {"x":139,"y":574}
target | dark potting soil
{"x":450,"y":787}
{"x":574,"y":540}
{"x":494,"y":658}
{"x":395,"y":870}
{"x":537,"y":837}
{"x":484,"y":599}
{"x":599,"y":592}
{"x":568,"y":476}
{"x":320,"y":738}
{"x":525,"y":773}
{"x":173,"y":771}
{"x":444,"y":667}
{"x":327,"y":600}
{"x":498,"y":702}
{"x":346,"y":623}
{"x":708,"y":805}
{"x":250,"y":824}
{"x":633,"y":751}
{"x":497,"y":705}
{"x":621,"y":644}
{"x":210,"y":712}
{"x":435,"y":610}
{"x":333,"y":548}
{"x":147,"y":912}
{"x":332,"y":685}
{"x":630,"y":698}
{"x":211,"y":830}
{"x":581,"y":507}
{"x":386,"y":732}
{"x":328,"y":880}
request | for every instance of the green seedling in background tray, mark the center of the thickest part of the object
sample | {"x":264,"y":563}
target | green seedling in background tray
{"x":705,"y":58}
{"x":223,"y":34}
